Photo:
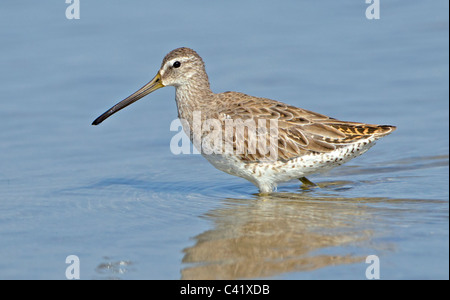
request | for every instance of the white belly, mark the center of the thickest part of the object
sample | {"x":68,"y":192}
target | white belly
{"x":266,"y":175}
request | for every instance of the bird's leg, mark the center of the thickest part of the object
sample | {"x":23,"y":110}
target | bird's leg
{"x":307,"y":182}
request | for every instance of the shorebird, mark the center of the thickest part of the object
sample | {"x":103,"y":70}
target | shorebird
{"x":302,"y":142}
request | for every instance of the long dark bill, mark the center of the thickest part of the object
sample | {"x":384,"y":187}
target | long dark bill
{"x":153,"y":85}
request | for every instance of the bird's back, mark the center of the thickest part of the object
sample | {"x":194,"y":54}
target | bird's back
{"x":299,"y":132}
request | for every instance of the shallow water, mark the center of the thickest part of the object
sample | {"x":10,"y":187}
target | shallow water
{"x":115,"y":195}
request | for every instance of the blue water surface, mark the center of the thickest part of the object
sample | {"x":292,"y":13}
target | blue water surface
{"x":118,"y":198}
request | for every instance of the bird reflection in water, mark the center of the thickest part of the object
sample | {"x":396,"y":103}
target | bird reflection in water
{"x":278,"y":233}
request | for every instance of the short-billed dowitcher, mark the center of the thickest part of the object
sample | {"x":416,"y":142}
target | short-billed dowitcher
{"x":304,"y":142}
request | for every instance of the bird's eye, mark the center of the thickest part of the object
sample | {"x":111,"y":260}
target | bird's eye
{"x":176,"y":64}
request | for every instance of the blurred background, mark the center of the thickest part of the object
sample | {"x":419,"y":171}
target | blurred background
{"x":115,"y":195}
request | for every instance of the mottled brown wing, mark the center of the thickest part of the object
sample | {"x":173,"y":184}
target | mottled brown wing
{"x":299,"y":131}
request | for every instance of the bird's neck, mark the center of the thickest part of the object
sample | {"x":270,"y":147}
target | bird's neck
{"x":193,"y":98}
